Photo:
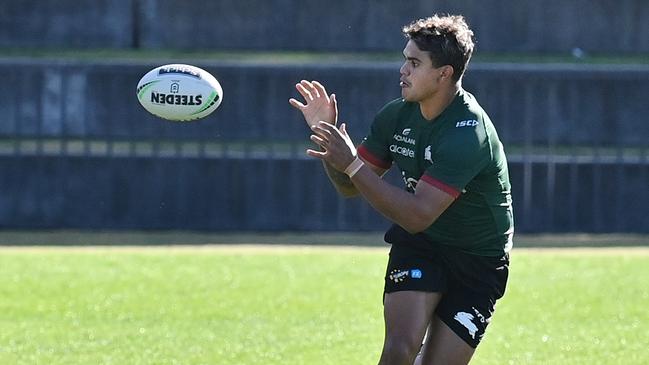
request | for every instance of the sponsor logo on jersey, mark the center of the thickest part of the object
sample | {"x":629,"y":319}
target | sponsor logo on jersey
{"x":406,"y":131}
{"x":400,"y":138}
{"x":404,"y":151}
{"x":411,"y":182}
{"x":428,"y":155}
{"x":467,"y":123}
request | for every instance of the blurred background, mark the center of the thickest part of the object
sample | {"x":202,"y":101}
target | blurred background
{"x":565,"y":82}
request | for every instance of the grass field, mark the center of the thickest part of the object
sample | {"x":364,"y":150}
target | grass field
{"x":292,"y":57}
{"x":244,"y":304}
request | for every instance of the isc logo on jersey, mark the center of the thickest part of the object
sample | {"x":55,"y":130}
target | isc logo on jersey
{"x":467,"y":123}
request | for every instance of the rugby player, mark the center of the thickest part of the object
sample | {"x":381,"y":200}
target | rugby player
{"x":453,"y":219}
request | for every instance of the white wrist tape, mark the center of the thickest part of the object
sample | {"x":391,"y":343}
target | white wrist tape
{"x":353,"y":167}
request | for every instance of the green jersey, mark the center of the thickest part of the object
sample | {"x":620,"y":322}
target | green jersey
{"x":458,"y":152}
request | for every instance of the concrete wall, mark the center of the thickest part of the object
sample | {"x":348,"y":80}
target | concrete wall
{"x":554,"y":26}
{"x":252,"y":194}
{"x":500,"y":26}
{"x":173,"y":193}
{"x":544,"y":114}
{"x":67,"y":24}
{"x":540,"y":105}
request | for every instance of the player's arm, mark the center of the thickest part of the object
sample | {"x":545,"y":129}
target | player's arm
{"x":343,"y":183}
{"x":320,"y":106}
{"x":414,"y":212}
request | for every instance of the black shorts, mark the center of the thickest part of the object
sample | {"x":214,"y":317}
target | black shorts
{"x":470,"y":284}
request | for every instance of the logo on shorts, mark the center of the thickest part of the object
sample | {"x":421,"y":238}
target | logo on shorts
{"x":398,"y":275}
{"x":466,"y":319}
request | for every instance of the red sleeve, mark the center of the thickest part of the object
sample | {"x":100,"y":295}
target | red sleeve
{"x":371,"y":158}
{"x":441,"y":186}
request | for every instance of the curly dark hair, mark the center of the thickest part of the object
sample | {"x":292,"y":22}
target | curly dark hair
{"x":447,"y":39}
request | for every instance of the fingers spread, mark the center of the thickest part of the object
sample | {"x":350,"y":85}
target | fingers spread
{"x":304,"y":92}
{"x":343,"y":129}
{"x":309,"y":87}
{"x":326,"y":127}
{"x":321,"y":126}
{"x":314,"y":153}
{"x":318,"y":140}
{"x":295,"y":103}
{"x":319,"y":88}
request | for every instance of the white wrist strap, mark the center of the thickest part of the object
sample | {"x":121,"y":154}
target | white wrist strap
{"x":353,"y":167}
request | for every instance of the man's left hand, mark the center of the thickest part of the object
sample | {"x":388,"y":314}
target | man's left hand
{"x":337,"y":147}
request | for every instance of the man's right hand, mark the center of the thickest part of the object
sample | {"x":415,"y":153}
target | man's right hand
{"x":317,"y":106}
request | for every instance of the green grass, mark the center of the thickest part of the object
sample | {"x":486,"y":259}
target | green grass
{"x":281,"y":305}
{"x":578,"y":308}
{"x":301,"y":56}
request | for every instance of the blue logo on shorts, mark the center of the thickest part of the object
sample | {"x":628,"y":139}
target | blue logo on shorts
{"x":415,"y":274}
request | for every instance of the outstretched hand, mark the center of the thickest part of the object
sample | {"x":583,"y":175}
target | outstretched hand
{"x":337,"y":148}
{"x":318,"y":105}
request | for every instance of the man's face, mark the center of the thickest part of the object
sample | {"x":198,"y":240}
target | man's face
{"x":419,"y":77}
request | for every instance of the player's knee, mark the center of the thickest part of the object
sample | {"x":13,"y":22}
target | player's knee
{"x":400,"y":350}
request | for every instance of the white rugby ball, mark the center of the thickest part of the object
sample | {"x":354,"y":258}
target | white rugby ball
{"x":179,"y":92}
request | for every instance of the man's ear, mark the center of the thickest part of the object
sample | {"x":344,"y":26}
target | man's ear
{"x":447,"y":72}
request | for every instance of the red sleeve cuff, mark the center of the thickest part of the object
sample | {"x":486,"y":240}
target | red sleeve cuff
{"x":441,"y":186}
{"x":369,"y":157}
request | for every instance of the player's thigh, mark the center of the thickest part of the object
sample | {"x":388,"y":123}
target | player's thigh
{"x":414,"y":280}
{"x":444,"y":346}
{"x":408,"y":313}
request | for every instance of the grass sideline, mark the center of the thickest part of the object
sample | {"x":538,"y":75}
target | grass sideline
{"x":135,"y":238}
{"x":301,"y":57}
{"x":296,"y":304}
